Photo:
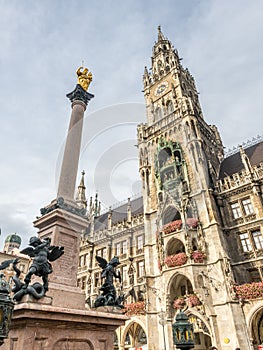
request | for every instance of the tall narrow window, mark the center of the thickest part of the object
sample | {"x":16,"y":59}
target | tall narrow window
{"x":236,"y":210}
{"x":247,"y":205}
{"x":125,"y":273}
{"x":170,"y":107}
{"x":140,"y":268}
{"x":245,"y":242}
{"x":139,"y":242}
{"x":102,"y":252}
{"x":124,"y":247}
{"x":258,"y":239}
{"x":96,"y":279}
{"x":158,"y":113}
{"x":118,"y":249}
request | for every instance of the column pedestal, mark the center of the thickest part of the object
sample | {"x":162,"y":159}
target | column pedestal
{"x":38,"y":326}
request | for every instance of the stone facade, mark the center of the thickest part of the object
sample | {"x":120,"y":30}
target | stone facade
{"x":195,"y":233}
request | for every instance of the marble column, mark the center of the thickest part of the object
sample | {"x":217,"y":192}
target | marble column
{"x":69,"y":169}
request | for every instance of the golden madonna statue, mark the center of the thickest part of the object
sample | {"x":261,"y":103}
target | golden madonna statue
{"x":84,"y":78}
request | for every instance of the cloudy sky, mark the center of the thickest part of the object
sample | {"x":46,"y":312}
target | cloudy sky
{"x":44,"y":42}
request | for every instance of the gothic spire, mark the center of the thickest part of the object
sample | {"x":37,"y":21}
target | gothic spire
{"x":81,"y":195}
{"x":160,"y":34}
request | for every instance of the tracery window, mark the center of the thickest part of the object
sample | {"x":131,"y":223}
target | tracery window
{"x":247,"y":205}
{"x":102,"y":252}
{"x":251,"y":240}
{"x":140,"y":269}
{"x":139,"y":242}
{"x":245,"y":242}
{"x":258,"y":239}
{"x":158,"y":114}
{"x":236,"y":210}
{"x":170,"y":107}
{"x":242,"y":207}
{"x":121,"y":248}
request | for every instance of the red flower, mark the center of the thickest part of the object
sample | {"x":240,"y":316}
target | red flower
{"x":198,"y":256}
{"x":192,"y":300}
{"x":172,"y":226}
{"x":179,"y":303}
{"x":249,"y":290}
{"x":176,"y":260}
{"x":192,"y":222}
{"x":137,"y":308}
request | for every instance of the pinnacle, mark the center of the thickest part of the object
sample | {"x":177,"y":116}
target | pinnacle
{"x":160,"y":34}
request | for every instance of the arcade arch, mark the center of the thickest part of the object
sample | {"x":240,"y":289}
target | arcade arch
{"x":134,"y":336}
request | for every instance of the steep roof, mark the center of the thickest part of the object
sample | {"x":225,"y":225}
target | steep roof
{"x":233,"y":164}
{"x":119,"y":214}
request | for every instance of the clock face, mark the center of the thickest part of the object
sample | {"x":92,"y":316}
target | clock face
{"x":161,"y":88}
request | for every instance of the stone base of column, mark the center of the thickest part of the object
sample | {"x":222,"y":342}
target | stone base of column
{"x":38,"y":325}
{"x":64,"y":228}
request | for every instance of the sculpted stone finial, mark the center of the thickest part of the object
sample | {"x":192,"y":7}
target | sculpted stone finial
{"x":84,"y":78}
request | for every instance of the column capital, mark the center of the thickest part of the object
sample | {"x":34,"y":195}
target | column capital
{"x":79,"y":94}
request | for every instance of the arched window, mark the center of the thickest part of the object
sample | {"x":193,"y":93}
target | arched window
{"x":175,"y":246}
{"x":193,"y":128}
{"x":158,"y":113}
{"x":170,"y":214}
{"x":180,"y":286}
{"x":170,"y":107}
{"x":135,"y":336}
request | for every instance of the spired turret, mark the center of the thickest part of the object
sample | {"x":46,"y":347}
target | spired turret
{"x":81,"y":192}
{"x":169,"y":86}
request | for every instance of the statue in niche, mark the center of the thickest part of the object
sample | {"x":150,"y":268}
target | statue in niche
{"x":84,"y":78}
{"x":109,"y":296}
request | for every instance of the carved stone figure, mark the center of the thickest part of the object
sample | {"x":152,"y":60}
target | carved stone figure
{"x":84,"y":78}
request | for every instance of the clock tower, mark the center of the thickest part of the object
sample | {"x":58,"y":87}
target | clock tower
{"x":179,"y":160}
{"x":176,"y":130}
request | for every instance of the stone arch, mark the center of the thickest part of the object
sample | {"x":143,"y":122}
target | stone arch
{"x":179,"y":285}
{"x":116,"y":340}
{"x":174,"y":246}
{"x":131,"y":332}
{"x":255,"y":323}
{"x":170,"y":214}
{"x":202,"y":330}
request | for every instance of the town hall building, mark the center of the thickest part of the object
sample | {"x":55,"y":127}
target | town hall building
{"x":193,"y":240}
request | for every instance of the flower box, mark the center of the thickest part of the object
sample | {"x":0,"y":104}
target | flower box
{"x":198,"y":256}
{"x":192,"y":300}
{"x":179,"y":303}
{"x":192,"y":222}
{"x":172,"y":226}
{"x":249,"y":290}
{"x":176,"y":260}
{"x":137,"y":308}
